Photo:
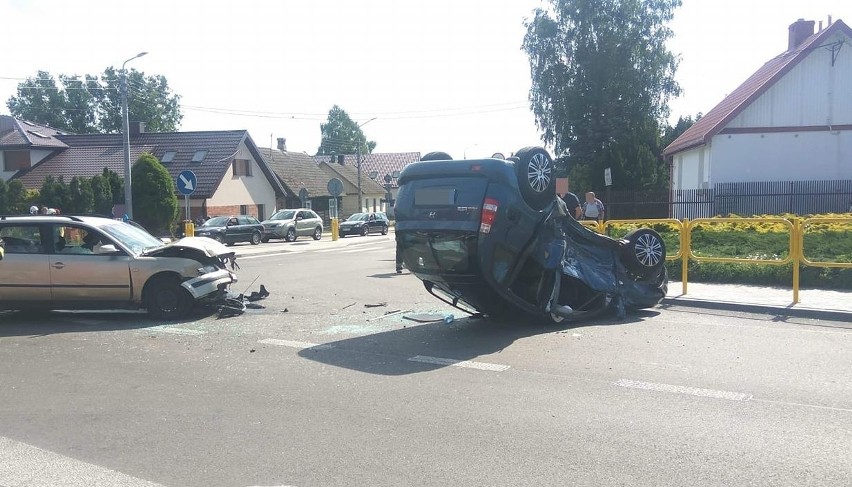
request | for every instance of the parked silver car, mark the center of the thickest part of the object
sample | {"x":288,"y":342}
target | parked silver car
{"x":70,"y":262}
{"x":292,"y":224}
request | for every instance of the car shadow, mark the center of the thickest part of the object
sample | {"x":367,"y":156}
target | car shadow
{"x":413,"y":348}
{"x":41,"y":323}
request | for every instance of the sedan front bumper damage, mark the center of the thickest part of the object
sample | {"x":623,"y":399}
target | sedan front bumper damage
{"x":209,"y":283}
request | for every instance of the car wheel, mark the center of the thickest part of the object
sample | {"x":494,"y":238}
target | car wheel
{"x":166,"y":299}
{"x":364,"y":230}
{"x":317,"y":233}
{"x":256,"y":237}
{"x":535,"y":177}
{"x":219,"y":238}
{"x":385,"y":230}
{"x":645,"y":252}
{"x":291,"y":235}
{"x":437,"y":156}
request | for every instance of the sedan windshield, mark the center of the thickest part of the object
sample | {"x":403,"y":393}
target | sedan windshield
{"x":284,"y":215}
{"x":216,"y":221}
{"x":357,"y":217}
{"x":135,"y":239}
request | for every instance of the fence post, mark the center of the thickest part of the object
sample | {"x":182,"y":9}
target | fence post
{"x":797,"y":249}
{"x":685,"y":243}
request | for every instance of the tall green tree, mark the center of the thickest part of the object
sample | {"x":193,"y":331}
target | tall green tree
{"x":116,"y":185}
{"x":155,"y":202}
{"x":92,"y":103}
{"x":81,"y":199}
{"x":18,"y":200}
{"x":342,"y":135}
{"x":101,"y":195}
{"x":601,"y":80}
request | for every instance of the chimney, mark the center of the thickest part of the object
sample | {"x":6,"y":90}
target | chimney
{"x":282,"y":144}
{"x":340,"y":159}
{"x":137,"y":128}
{"x":798,"y":32}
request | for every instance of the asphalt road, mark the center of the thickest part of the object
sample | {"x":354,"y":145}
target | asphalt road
{"x":330,"y":385}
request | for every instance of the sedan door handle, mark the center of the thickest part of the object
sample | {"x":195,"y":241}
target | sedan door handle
{"x":58,"y":265}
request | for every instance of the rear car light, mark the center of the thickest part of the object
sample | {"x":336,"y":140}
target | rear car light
{"x":489,"y":213}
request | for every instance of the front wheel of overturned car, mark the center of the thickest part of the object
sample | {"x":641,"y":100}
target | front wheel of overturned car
{"x":166,"y":299}
{"x":645,"y":252}
{"x":436,"y":156}
{"x":536,"y":180}
{"x":317,"y":233}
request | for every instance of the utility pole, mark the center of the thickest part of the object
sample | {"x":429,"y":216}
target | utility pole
{"x":358,"y":166}
{"x":125,"y":121}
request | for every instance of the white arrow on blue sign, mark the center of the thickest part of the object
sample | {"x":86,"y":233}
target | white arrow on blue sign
{"x":187,"y":182}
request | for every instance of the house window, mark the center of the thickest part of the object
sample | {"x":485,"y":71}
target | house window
{"x":241,"y":167}
{"x":168,"y":156}
{"x":243,"y":209}
{"x":15,"y":160}
{"x":199,"y":155}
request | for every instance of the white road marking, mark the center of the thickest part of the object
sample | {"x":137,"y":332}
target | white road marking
{"x":175,"y":331}
{"x":295,"y":344}
{"x":467,"y":364}
{"x":25,"y":465}
{"x":693,"y":391}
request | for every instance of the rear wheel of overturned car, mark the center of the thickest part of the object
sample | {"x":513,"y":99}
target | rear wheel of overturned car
{"x":291,"y":235}
{"x":645,"y":252}
{"x":166,"y":299}
{"x":436,"y":156}
{"x":534,"y":170}
{"x":317,"y":233}
{"x":256,"y":237}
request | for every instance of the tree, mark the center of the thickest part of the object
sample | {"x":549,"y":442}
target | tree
{"x":601,"y":80}
{"x":341,"y":135}
{"x":92,"y":103}
{"x":101,"y":195}
{"x":81,"y":198}
{"x":18,"y":200}
{"x":116,"y":185}
{"x":155,"y":203}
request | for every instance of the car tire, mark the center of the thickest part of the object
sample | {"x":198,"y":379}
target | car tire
{"x":437,"y":156}
{"x":219,"y":238}
{"x":291,"y":235}
{"x":645,"y":252}
{"x":364,"y":231}
{"x":166,"y":299}
{"x":536,"y":178}
{"x":317,"y":233}
{"x":385,"y":230}
{"x":256,"y":238}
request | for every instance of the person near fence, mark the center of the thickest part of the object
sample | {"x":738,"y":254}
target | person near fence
{"x":593,"y":208}
{"x":573,"y":204}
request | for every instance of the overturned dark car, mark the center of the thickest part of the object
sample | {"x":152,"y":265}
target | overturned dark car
{"x":491,"y":236}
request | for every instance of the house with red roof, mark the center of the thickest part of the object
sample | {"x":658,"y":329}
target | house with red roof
{"x":790,"y":121}
{"x":233,"y":177}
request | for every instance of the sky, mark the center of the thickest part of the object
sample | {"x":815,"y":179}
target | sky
{"x":418,"y":75}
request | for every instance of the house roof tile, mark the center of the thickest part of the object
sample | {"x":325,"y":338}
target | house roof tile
{"x":22,"y":133}
{"x":716,"y":119}
{"x":297,"y":170}
{"x":381,"y":162}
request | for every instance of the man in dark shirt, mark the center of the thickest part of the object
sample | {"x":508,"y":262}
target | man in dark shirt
{"x":573,"y":204}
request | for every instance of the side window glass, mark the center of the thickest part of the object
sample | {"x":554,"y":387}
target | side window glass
{"x":243,"y":220}
{"x":22,"y":239}
{"x":314,"y":215}
{"x":69,"y":239}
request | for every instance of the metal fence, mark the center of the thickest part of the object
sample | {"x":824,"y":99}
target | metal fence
{"x":744,"y":199}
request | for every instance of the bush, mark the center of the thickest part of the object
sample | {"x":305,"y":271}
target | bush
{"x":155,"y":203}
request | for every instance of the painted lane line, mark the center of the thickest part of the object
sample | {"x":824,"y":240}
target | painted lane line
{"x":23,"y":464}
{"x":466,"y":364}
{"x":295,"y":344}
{"x":692,"y":391}
{"x":176,"y":331}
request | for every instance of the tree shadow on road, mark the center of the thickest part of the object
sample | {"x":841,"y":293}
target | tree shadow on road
{"x":393,"y":352}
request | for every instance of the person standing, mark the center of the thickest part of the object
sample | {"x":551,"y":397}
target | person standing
{"x":593,"y":208}
{"x":573,"y":204}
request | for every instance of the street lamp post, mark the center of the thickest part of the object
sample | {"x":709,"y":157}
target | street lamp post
{"x":125,"y":121}
{"x":358,"y":166}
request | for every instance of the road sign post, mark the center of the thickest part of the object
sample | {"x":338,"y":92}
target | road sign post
{"x":186,"y":184}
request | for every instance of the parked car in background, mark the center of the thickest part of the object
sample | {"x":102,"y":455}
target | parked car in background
{"x":292,"y":224}
{"x":364,"y":223}
{"x":491,"y":235}
{"x":78,"y":262}
{"x":232,"y":229}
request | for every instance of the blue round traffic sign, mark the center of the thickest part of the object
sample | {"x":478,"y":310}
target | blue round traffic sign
{"x":187,"y":182}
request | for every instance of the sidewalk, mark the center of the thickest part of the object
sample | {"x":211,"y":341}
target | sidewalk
{"x":813,"y":303}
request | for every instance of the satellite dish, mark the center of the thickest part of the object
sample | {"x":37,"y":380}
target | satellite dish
{"x":498,"y":155}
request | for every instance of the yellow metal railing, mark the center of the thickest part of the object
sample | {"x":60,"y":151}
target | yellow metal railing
{"x":796,"y":227}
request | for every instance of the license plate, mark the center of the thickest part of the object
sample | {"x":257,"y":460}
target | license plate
{"x":435,"y":197}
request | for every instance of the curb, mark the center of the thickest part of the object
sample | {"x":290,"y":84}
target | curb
{"x":820,"y":314}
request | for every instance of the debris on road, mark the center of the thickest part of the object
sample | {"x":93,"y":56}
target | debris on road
{"x":348,"y":306}
{"x":236,"y":305}
{"x":376,"y":305}
{"x":425,"y":317}
{"x":389,"y":313}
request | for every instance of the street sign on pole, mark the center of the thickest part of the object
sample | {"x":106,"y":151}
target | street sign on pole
{"x":335,"y":187}
{"x":303,"y":196}
{"x":187,"y":182}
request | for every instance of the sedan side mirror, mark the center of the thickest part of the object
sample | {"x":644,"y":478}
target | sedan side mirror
{"x":107,"y":249}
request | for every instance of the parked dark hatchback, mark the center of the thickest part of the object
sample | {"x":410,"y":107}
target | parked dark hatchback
{"x":491,"y":235}
{"x":232,"y":229}
{"x":364,"y":223}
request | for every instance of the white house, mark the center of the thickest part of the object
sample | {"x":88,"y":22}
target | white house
{"x":791,"y":121}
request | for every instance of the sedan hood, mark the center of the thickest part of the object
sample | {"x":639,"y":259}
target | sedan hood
{"x":209,"y":229}
{"x":207,"y":246}
{"x":351,"y":224}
